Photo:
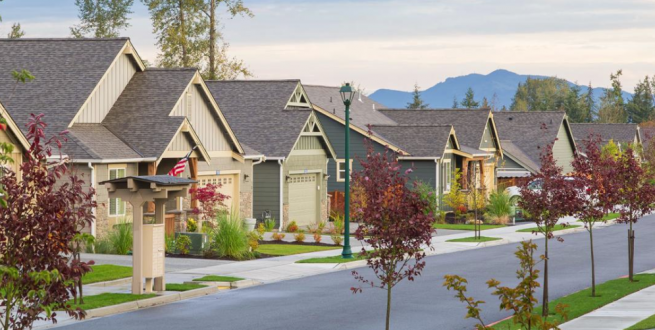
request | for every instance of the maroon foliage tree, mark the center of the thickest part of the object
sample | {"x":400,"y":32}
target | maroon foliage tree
{"x":547,"y":196}
{"x":393,"y":223}
{"x":46,"y":207}
{"x":637,"y":196}
{"x":597,"y":192}
{"x":210,"y":200}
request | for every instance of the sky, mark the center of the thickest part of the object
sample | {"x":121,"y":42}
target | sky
{"x":397,"y":43}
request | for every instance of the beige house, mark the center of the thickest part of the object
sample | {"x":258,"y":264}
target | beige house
{"x":14,"y":136}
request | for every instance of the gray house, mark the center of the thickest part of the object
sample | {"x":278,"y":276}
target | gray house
{"x":525,"y":134}
{"x":275,"y":119}
{"x":621,"y":134}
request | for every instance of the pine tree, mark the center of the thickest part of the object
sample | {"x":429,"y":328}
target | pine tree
{"x":417,"y":102}
{"x":455,"y":103}
{"x":589,"y":105}
{"x":16,"y":32}
{"x":641,"y":108}
{"x":485,"y":103}
{"x":101,"y":18}
{"x":612,"y":106}
{"x":469,"y":101}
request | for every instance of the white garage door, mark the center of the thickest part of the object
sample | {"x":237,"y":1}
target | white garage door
{"x":303,"y":195}
{"x":228,"y":187}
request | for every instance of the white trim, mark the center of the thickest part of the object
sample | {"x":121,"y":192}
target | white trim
{"x":299,"y":172}
{"x":307,"y":105}
{"x":282,"y":182}
{"x":117,"y":168}
{"x":94,"y":198}
{"x":253,"y":157}
{"x":338,"y":171}
{"x":418,"y":158}
{"x":446,"y":188}
{"x":219,"y":172}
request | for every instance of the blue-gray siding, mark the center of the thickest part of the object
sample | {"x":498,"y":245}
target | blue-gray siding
{"x":266,"y":190}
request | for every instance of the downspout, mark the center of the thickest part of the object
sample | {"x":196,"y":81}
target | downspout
{"x":252,"y":179}
{"x":93,"y":185}
{"x":436,"y":183}
{"x":281,"y":162}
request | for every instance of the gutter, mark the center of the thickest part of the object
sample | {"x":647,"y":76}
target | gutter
{"x":418,"y":158}
{"x":281,"y":162}
{"x":106,"y":161}
{"x":262,"y":158}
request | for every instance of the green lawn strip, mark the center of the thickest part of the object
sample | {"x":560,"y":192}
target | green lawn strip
{"x":581,"y":302}
{"x":183,"y":287}
{"x":555,"y":228}
{"x":473,"y":239}
{"x":109,"y":299}
{"x":288,"y":249}
{"x":102,"y":273}
{"x":609,"y":216}
{"x":646,"y":324}
{"x":331,"y":260}
{"x":218,"y":278}
{"x":463,"y":226}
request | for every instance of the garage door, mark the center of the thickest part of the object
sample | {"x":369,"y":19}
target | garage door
{"x":303,"y":195}
{"x":228,"y":187}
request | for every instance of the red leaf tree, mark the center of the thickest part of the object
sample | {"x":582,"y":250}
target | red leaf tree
{"x":637,"y":196}
{"x":596,"y":187}
{"x":547,"y":196}
{"x":46,"y":208}
{"x":393,"y":223}
{"x":210,"y":200}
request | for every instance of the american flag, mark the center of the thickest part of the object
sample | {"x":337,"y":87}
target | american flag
{"x":181,"y":165}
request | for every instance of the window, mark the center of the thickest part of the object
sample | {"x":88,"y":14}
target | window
{"x":447,"y":175}
{"x":341,"y":169}
{"x":116,"y":205}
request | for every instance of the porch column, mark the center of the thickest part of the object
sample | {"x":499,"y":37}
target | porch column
{"x":482,"y":182}
{"x":465,"y":172}
{"x":152,"y":170}
{"x":137,"y":246}
{"x":193,"y":168}
{"x":160,"y":210}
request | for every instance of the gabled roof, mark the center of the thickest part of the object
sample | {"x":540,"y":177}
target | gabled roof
{"x":468,"y":123}
{"x":620,"y":133}
{"x":419,"y":141}
{"x":13,"y":127}
{"x":256,"y":112}
{"x":518,"y":155}
{"x":524,"y":130}
{"x":95,"y":141}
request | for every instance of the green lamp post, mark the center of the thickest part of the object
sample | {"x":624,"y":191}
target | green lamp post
{"x":347,"y":94}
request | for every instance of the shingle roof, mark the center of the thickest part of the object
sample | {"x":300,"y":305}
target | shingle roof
{"x":469,"y":124}
{"x":523,"y":129}
{"x":99,"y":143}
{"x":363,"y":110}
{"x":647,"y":133}
{"x":624,"y":133}
{"x":518,"y":154}
{"x":255,"y":111}
{"x":140,"y":116}
{"x":419,"y":141}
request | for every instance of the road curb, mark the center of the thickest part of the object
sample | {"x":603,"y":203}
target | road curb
{"x":121,"y":281}
{"x":351,"y":265}
{"x":231,"y":285}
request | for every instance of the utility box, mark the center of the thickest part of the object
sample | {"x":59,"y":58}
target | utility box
{"x":153,"y":250}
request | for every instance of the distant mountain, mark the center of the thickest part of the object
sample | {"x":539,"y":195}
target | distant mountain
{"x":501,"y":82}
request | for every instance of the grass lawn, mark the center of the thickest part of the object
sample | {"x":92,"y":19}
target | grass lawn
{"x":109,"y":299}
{"x":555,"y":228}
{"x":581,"y":302}
{"x":463,"y":226}
{"x":646,"y":324}
{"x":331,"y":260}
{"x":218,"y":278}
{"x":183,"y":287}
{"x":473,"y":239}
{"x":287,"y":249}
{"x":102,"y":273}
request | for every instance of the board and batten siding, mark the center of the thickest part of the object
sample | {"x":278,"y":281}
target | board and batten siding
{"x":266,"y":190}
{"x":563,"y":150}
{"x":422,"y":170}
{"x":336,"y":134}
{"x":108,"y":91}
{"x":181,"y":142}
{"x":487,"y":138}
{"x":16,"y":155}
{"x":205,"y":121}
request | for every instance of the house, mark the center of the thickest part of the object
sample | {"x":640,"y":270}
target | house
{"x":275,"y":119}
{"x":122,"y":118}
{"x":525,"y":134}
{"x":15,"y":137}
{"x":621,"y":134}
{"x":476,"y":131}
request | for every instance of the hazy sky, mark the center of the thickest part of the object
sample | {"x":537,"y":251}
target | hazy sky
{"x":395,"y":43}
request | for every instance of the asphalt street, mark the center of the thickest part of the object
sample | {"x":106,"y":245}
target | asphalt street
{"x":326,"y":302}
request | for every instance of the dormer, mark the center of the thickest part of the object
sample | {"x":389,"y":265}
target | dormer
{"x":298,"y":99}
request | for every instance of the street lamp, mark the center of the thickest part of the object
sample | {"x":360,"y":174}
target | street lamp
{"x":347,"y":94}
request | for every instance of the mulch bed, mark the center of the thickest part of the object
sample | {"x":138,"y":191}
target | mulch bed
{"x":297,"y":243}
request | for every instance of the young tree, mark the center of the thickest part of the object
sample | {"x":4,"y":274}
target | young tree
{"x":637,"y":197}
{"x":595,"y":184}
{"x":417,"y":102}
{"x":210,"y":200}
{"x":394,"y":223}
{"x":47,"y":206}
{"x":16,"y":32}
{"x":485,"y":103}
{"x":554,"y":198}
{"x":469,"y":101}
{"x":612,"y":105}
{"x":101,"y":18}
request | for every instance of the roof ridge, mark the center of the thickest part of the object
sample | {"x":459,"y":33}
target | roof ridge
{"x":531,"y":111}
{"x":64,"y":39}
{"x":436,"y":109}
{"x":252,"y":80}
{"x":171,"y":69}
{"x":604,"y":124}
{"x":413,"y":125}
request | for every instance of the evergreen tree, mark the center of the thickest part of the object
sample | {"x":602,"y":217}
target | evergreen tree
{"x":589,"y":105}
{"x":469,"y":101}
{"x":485,"y":103}
{"x":455,"y":103}
{"x":641,"y":108}
{"x":574,"y":105}
{"x":101,"y":18}
{"x":417,"y":102}
{"x":16,"y":32}
{"x":612,"y":106}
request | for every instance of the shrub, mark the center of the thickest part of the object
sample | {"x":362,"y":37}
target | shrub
{"x":169,"y":242}
{"x":317,"y":237}
{"x":429,"y":196}
{"x":292,"y":227}
{"x":338,"y":224}
{"x":455,"y":197}
{"x":253,"y":240}
{"x":103,"y":246}
{"x":269,"y":224}
{"x":230,"y":237}
{"x":191,"y":225}
{"x":121,"y":237}
{"x":337,"y":239}
{"x":499,"y":204}
{"x":278,"y":236}
{"x":300,"y":236}
{"x":183,"y":244}
{"x":261,"y":229}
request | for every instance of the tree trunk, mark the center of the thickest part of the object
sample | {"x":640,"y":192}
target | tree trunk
{"x":631,"y":252}
{"x":544,"y":302}
{"x":183,"y":43}
{"x":388,"y":305}
{"x":593,"y":263}
{"x":212,"y":40}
